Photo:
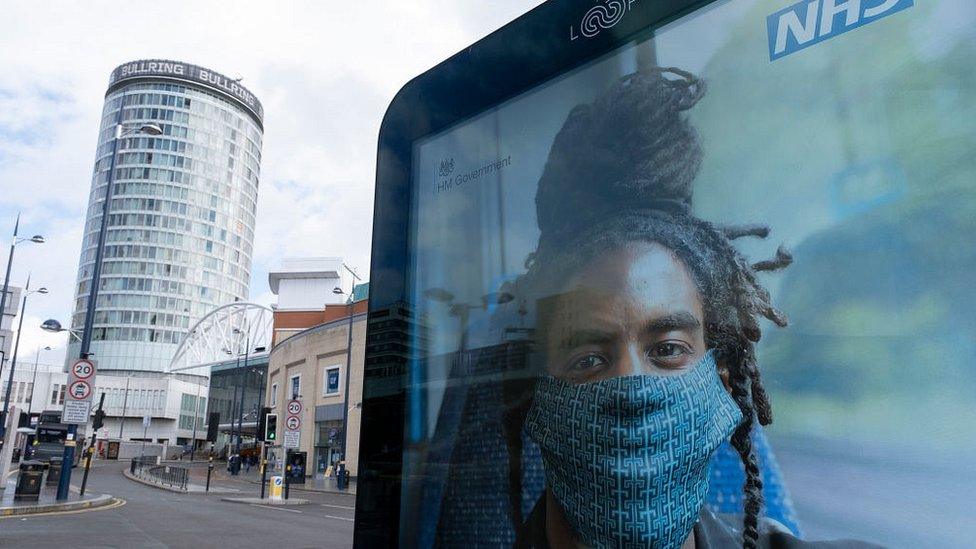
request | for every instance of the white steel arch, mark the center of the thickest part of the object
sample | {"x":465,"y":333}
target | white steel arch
{"x":226,"y":328}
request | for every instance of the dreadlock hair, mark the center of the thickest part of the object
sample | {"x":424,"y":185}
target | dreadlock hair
{"x":621,"y":171}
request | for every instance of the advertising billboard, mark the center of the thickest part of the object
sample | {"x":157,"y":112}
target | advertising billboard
{"x":690,"y":271}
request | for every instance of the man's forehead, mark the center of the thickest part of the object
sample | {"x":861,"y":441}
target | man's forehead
{"x":588,"y":306}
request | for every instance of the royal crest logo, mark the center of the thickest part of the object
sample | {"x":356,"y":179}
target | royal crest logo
{"x":447,"y":167}
{"x":602,"y":16}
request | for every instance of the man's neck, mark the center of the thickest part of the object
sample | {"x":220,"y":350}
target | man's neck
{"x":561,"y":535}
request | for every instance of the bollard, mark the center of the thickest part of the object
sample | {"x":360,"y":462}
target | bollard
{"x":210,"y":467}
{"x":88,"y":459}
{"x":264,"y":470}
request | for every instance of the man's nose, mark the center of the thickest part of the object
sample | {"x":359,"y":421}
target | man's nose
{"x":630,"y":361}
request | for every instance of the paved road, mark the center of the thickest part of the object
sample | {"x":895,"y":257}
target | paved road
{"x":156,"y":518}
{"x":840,"y":490}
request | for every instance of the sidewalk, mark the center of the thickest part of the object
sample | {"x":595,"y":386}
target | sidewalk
{"x":47,"y":502}
{"x":193,"y":489}
{"x":198,"y":474}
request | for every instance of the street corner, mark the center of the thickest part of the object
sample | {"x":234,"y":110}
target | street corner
{"x":270,"y":502}
{"x":20,"y":508}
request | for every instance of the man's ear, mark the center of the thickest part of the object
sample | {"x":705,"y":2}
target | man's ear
{"x":723,"y":372}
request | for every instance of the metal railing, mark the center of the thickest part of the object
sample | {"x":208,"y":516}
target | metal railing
{"x":140,"y":463}
{"x":147,"y":469}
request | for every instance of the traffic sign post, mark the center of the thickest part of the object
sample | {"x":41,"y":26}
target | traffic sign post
{"x":78,"y":397}
{"x":294,"y":407}
{"x":293,"y":424}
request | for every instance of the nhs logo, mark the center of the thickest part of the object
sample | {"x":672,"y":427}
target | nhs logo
{"x":810,"y":22}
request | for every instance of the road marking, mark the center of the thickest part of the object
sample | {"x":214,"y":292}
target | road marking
{"x":119,"y":502}
{"x":337,"y":506}
{"x":275,"y":508}
{"x":340,"y":518}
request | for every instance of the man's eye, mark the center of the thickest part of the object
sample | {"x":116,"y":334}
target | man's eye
{"x":669,"y":350}
{"x":588,"y":363}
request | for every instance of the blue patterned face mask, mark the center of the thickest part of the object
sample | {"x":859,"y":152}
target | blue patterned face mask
{"x":627,"y":458}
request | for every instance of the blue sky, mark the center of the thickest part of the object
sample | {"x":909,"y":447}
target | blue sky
{"x":324,"y":83}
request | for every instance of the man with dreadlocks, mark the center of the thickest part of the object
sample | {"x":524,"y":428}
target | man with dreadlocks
{"x":647,"y":321}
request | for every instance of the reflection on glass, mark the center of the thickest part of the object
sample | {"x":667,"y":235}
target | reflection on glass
{"x":625,"y":209}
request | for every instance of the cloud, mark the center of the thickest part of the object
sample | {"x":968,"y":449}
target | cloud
{"x":325,"y":72}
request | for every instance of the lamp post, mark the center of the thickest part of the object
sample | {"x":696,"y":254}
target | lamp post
{"x":240,"y":406}
{"x":86,"y":336}
{"x":233,"y":402}
{"x":125,"y":404}
{"x":36,"y":239}
{"x":351,"y":306}
{"x":196,"y":412}
{"x":20,"y":329}
{"x":37,"y":359}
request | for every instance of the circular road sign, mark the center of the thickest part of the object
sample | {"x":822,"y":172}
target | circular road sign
{"x":79,"y":390}
{"x":294,"y":407}
{"x":83,"y":369}
{"x":293,"y":423}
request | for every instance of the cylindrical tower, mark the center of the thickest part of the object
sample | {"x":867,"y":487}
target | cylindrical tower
{"x":182,"y":210}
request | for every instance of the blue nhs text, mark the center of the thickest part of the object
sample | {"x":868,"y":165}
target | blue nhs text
{"x":810,"y":22}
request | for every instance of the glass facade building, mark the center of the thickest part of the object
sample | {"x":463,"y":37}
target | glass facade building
{"x":182,"y":209}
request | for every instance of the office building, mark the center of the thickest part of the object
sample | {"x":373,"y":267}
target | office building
{"x":180,"y":231}
{"x":310,"y":357}
{"x":10,"y":309}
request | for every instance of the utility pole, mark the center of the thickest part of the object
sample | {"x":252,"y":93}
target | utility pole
{"x":86,"y":337}
{"x":351,"y":304}
{"x":240,"y":420}
{"x":36,"y":239}
{"x":13,"y":361}
{"x":196,"y":412}
{"x":125,"y":402}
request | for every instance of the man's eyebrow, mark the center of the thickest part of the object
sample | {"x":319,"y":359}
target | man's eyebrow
{"x":681,"y":320}
{"x":582,"y":337}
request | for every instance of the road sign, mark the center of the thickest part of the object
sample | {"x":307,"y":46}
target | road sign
{"x":83,"y":369}
{"x":294,"y":407}
{"x":293,"y":423}
{"x":80,"y":390}
{"x":78,"y":397}
{"x":276,"y":485}
{"x":76,"y":411}
{"x":291,"y":439}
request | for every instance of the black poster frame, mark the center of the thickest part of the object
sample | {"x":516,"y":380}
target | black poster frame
{"x":531,"y":50}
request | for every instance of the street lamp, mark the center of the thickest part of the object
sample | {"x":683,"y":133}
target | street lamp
{"x":53,"y":326}
{"x":350,"y":305}
{"x":86,"y":336}
{"x":36,"y":239}
{"x":20,"y":330}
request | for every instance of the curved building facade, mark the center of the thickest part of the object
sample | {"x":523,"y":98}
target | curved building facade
{"x":182,"y":211}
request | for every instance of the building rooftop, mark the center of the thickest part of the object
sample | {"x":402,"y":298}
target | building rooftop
{"x":305,"y":268}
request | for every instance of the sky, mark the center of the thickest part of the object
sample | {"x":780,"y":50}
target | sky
{"x":325,"y":72}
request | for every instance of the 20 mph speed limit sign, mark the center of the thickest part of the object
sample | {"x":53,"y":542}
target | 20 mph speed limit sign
{"x":294,"y":407}
{"x":83,"y":369}
{"x":81,"y":387}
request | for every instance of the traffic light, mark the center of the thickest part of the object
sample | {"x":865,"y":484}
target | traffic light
{"x":262,"y":422}
{"x":98,"y":420}
{"x":271,"y":428}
